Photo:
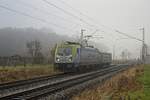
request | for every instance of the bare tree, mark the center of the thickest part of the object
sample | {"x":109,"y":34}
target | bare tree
{"x":34,"y":49}
{"x":53,"y":53}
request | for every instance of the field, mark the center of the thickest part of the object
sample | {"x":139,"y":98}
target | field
{"x":132,"y":84}
{"x":10,"y":73}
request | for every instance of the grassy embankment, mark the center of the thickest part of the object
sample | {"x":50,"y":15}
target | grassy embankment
{"x":133,"y":84}
{"x":145,"y":82}
{"x":8,"y":74}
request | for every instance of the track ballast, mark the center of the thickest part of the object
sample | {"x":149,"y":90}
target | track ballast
{"x":63,"y":84}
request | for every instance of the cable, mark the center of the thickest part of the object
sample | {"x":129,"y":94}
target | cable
{"x":89,"y":18}
{"x":71,"y":7}
{"x":35,"y":18}
{"x":98,"y":23}
{"x":75,"y":9}
{"x":45,"y":12}
{"x":42,"y":20}
{"x":68,"y":13}
{"x":128,"y":35}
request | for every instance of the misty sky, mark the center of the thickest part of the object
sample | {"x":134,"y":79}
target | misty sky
{"x":127,"y":16}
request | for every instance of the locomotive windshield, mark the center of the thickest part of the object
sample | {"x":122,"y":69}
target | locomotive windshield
{"x":64,"y":51}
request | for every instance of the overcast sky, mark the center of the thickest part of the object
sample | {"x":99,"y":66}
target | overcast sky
{"x":127,"y":16}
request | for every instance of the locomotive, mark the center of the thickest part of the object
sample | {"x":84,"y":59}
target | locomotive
{"x":72,"y":57}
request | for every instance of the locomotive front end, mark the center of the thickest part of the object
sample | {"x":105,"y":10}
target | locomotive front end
{"x":66,"y":56}
{"x":63,"y":55}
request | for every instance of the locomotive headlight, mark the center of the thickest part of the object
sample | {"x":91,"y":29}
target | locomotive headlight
{"x":58,"y":59}
{"x":70,"y":59}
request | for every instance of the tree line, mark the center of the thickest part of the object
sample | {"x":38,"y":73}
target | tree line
{"x":35,"y":56}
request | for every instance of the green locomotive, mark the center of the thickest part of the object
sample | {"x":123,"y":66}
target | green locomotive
{"x":72,"y":56}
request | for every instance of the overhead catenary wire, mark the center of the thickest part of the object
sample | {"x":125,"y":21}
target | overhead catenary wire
{"x":81,"y":13}
{"x":45,"y":12}
{"x":32,"y":17}
{"x":68,"y":13}
{"x":71,"y":14}
{"x":91,"y":19}
{"x":128,"y":35}
{"x":76,"y":10}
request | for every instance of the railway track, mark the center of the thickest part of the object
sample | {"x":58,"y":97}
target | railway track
{"x":61,"y":84}
{"x":17,"y":86}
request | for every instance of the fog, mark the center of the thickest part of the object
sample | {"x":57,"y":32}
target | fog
{"x":127,"y":16}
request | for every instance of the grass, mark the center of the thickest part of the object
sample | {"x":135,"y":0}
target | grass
{"x":142,"y":90}
{"x":10,"y":73}
{"x":127,"y":84}
{"x":145,"y":81}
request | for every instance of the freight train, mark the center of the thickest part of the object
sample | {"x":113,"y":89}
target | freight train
{"x":72,"y":57}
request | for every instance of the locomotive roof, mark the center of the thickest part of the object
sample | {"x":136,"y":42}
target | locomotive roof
{"x":68,"y":42}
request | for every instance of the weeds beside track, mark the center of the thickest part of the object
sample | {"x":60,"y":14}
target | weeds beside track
{"x":63,"y":84}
